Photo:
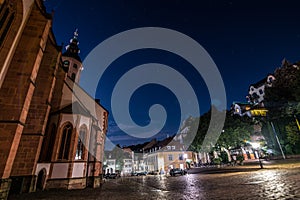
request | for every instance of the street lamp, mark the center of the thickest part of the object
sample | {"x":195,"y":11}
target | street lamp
{"x":255,"y":145}
{"x":258,"y":112}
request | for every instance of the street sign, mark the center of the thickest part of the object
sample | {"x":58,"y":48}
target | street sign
{"x":258,"y":112}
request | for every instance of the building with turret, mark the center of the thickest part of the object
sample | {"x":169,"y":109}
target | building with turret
{"x":71,"y":60}
{"x":52,"y":132}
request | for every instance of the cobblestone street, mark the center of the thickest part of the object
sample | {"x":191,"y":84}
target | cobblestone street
{"x":275,"y":181}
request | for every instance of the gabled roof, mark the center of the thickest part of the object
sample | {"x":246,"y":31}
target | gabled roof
{"x":150,"y":145}
{"x":82,"y":95}
{"x":77,"y":101}
{"x":164,"y":142}
{"x":259,"y":83}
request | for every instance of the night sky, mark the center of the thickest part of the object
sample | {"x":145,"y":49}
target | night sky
{"x":246,"y":39}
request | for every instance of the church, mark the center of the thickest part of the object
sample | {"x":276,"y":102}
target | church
{"x":49,"y":135}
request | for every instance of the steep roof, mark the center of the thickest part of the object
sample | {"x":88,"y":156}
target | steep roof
{"x":74,"y":108}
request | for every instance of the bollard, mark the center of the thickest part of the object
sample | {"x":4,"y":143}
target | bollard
{"x":260,"y":163}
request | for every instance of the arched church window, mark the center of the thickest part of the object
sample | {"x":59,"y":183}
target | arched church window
{"x":7,"y":14}
{"x":4,"y":17}
{"x":65,"y":142}
{"x":81,"y":143}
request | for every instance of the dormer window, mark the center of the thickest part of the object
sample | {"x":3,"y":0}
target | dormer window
{"x":270,"y":79}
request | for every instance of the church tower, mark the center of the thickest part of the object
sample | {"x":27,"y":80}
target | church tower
{"x":41,"y":145}
{"x":72,"y":63}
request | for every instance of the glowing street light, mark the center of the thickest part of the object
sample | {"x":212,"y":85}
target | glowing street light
{"x":255,"y":145}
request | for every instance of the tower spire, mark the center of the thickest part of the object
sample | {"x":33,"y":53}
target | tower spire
{"x":72,"y":50}
{"x":71,"y":60}
{"x":76,"y":33}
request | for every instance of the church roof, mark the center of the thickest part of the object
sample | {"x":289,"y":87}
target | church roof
{"x":74,"y":108}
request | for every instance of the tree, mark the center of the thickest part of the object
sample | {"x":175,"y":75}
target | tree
{"x":236,"y":130}
{"x":201,"y":131}
{"x":282,"y":102}
{"x":293,"y":138}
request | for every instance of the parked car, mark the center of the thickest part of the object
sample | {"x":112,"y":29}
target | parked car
{"x":111,"y":175}
{"x":106,"y":175}
{"x":177,"y":171}
{"x":153,"y":173}
{"x":133,"y":173}
{"x":142,"y":173}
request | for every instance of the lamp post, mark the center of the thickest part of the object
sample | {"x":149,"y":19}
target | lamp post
{"x":260,"y":163}
{"x":273,"y":128}
{"x":297,"y":122}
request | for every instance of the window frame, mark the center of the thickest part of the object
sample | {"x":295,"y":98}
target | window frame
{"x":81,"y":142}
{"x":64,"y":147}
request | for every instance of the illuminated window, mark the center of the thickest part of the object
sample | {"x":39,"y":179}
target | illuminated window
{"x":80,"y":144}
{"x":66,"y":63}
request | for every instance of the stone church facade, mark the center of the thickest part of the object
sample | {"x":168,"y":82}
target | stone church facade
{"x":52,"y":133}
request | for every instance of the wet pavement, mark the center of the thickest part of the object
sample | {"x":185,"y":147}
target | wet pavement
{"x":276,"y":181}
